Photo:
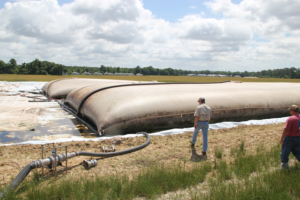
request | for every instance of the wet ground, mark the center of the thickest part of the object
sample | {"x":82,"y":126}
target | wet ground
{"x":54,"y":123}
{"x":25,"y":117}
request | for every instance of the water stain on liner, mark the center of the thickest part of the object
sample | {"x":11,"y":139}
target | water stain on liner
{"x":55,"y":129}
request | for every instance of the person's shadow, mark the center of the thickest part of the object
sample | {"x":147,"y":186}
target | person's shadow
{"x":196,"y":157}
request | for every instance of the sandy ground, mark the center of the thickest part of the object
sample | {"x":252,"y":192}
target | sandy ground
{"x":162,"y":149}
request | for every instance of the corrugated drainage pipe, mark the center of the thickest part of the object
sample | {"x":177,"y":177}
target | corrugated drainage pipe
{"x":62,"y":157}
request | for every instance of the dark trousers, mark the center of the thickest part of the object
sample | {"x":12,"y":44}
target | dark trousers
{"x":290,"y":144}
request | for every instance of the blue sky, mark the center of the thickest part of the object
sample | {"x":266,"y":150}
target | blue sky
{"x":171,"y":10}
{"x":235,"y":35}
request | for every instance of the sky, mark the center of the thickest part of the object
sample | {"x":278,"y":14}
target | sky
{"x":216,"y":35}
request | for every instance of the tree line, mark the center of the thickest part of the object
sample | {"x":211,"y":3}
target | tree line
{"x":45,"y":67}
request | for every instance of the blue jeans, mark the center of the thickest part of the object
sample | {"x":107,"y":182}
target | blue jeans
{"x":204,"y":127}
{"x":290,"y":144}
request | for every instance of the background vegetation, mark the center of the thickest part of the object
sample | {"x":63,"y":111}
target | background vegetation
{"x":45,"y":78}
{"x":45,"y":67}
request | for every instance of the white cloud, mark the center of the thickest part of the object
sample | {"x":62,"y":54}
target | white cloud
{"x":252,"y":35}
{"x":102,"y":11}
{"x":193,"y":7}
{"x":271,"y":20}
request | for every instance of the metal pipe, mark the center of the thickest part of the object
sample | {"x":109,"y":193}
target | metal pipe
{"x":90,"y":163}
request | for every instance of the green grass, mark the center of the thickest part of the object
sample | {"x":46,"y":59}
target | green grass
{"x":275,"y":185}
{"x":243,"y":165}
{"x":237,"y":151}
{"x":218,"y":153}
{"x":265,"y":184}
{"x":150,"y":183}
{"x":46,"y":78}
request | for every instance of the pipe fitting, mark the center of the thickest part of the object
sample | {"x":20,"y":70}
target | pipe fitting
{"x":36,"y":164}
{"x":72,"y":155}
{"x":52,"y":160}
{"x":61,"y":158}
{"x":89,"y":163}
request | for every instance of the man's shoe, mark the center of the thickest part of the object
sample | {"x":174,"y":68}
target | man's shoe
{"x":283,"y":166}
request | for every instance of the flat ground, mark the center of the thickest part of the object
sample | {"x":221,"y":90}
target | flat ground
{"x":21,"y":77}
{"x":162,"y":149}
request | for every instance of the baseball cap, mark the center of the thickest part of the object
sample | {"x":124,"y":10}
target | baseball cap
{"x":294,"y":108}
{"x":201,"y":99}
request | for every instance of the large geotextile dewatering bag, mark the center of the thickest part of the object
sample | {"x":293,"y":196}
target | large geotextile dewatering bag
{"x":60,"y":88}
{"x":149,"y":107}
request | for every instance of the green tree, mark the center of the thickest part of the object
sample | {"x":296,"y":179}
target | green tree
{"x":23,"y":69}
{"x":138,"y":70}
{"x":33,"y":67}
{"x":11,"y":66}
{"x":145,"y":71}
{"x":2,"y":67}
{"x":164,"y":72}
{"x":102,"y":69}
{"x":151,"y":70}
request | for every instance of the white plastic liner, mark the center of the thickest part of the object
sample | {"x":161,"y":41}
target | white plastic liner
{"x":17,"y":114}
{"x":6,"y":86}
{"x":221,"y":125}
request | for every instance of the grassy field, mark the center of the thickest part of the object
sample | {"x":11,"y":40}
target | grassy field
{"x":241,"y":164}
{"x":46,"y":78}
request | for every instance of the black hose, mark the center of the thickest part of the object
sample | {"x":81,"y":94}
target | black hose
{"x":84,"y":153}
{"x":73,"y":112}
{"x":129,"y":85}
{"x":19,"y":178}
{"x":34,"y":92}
